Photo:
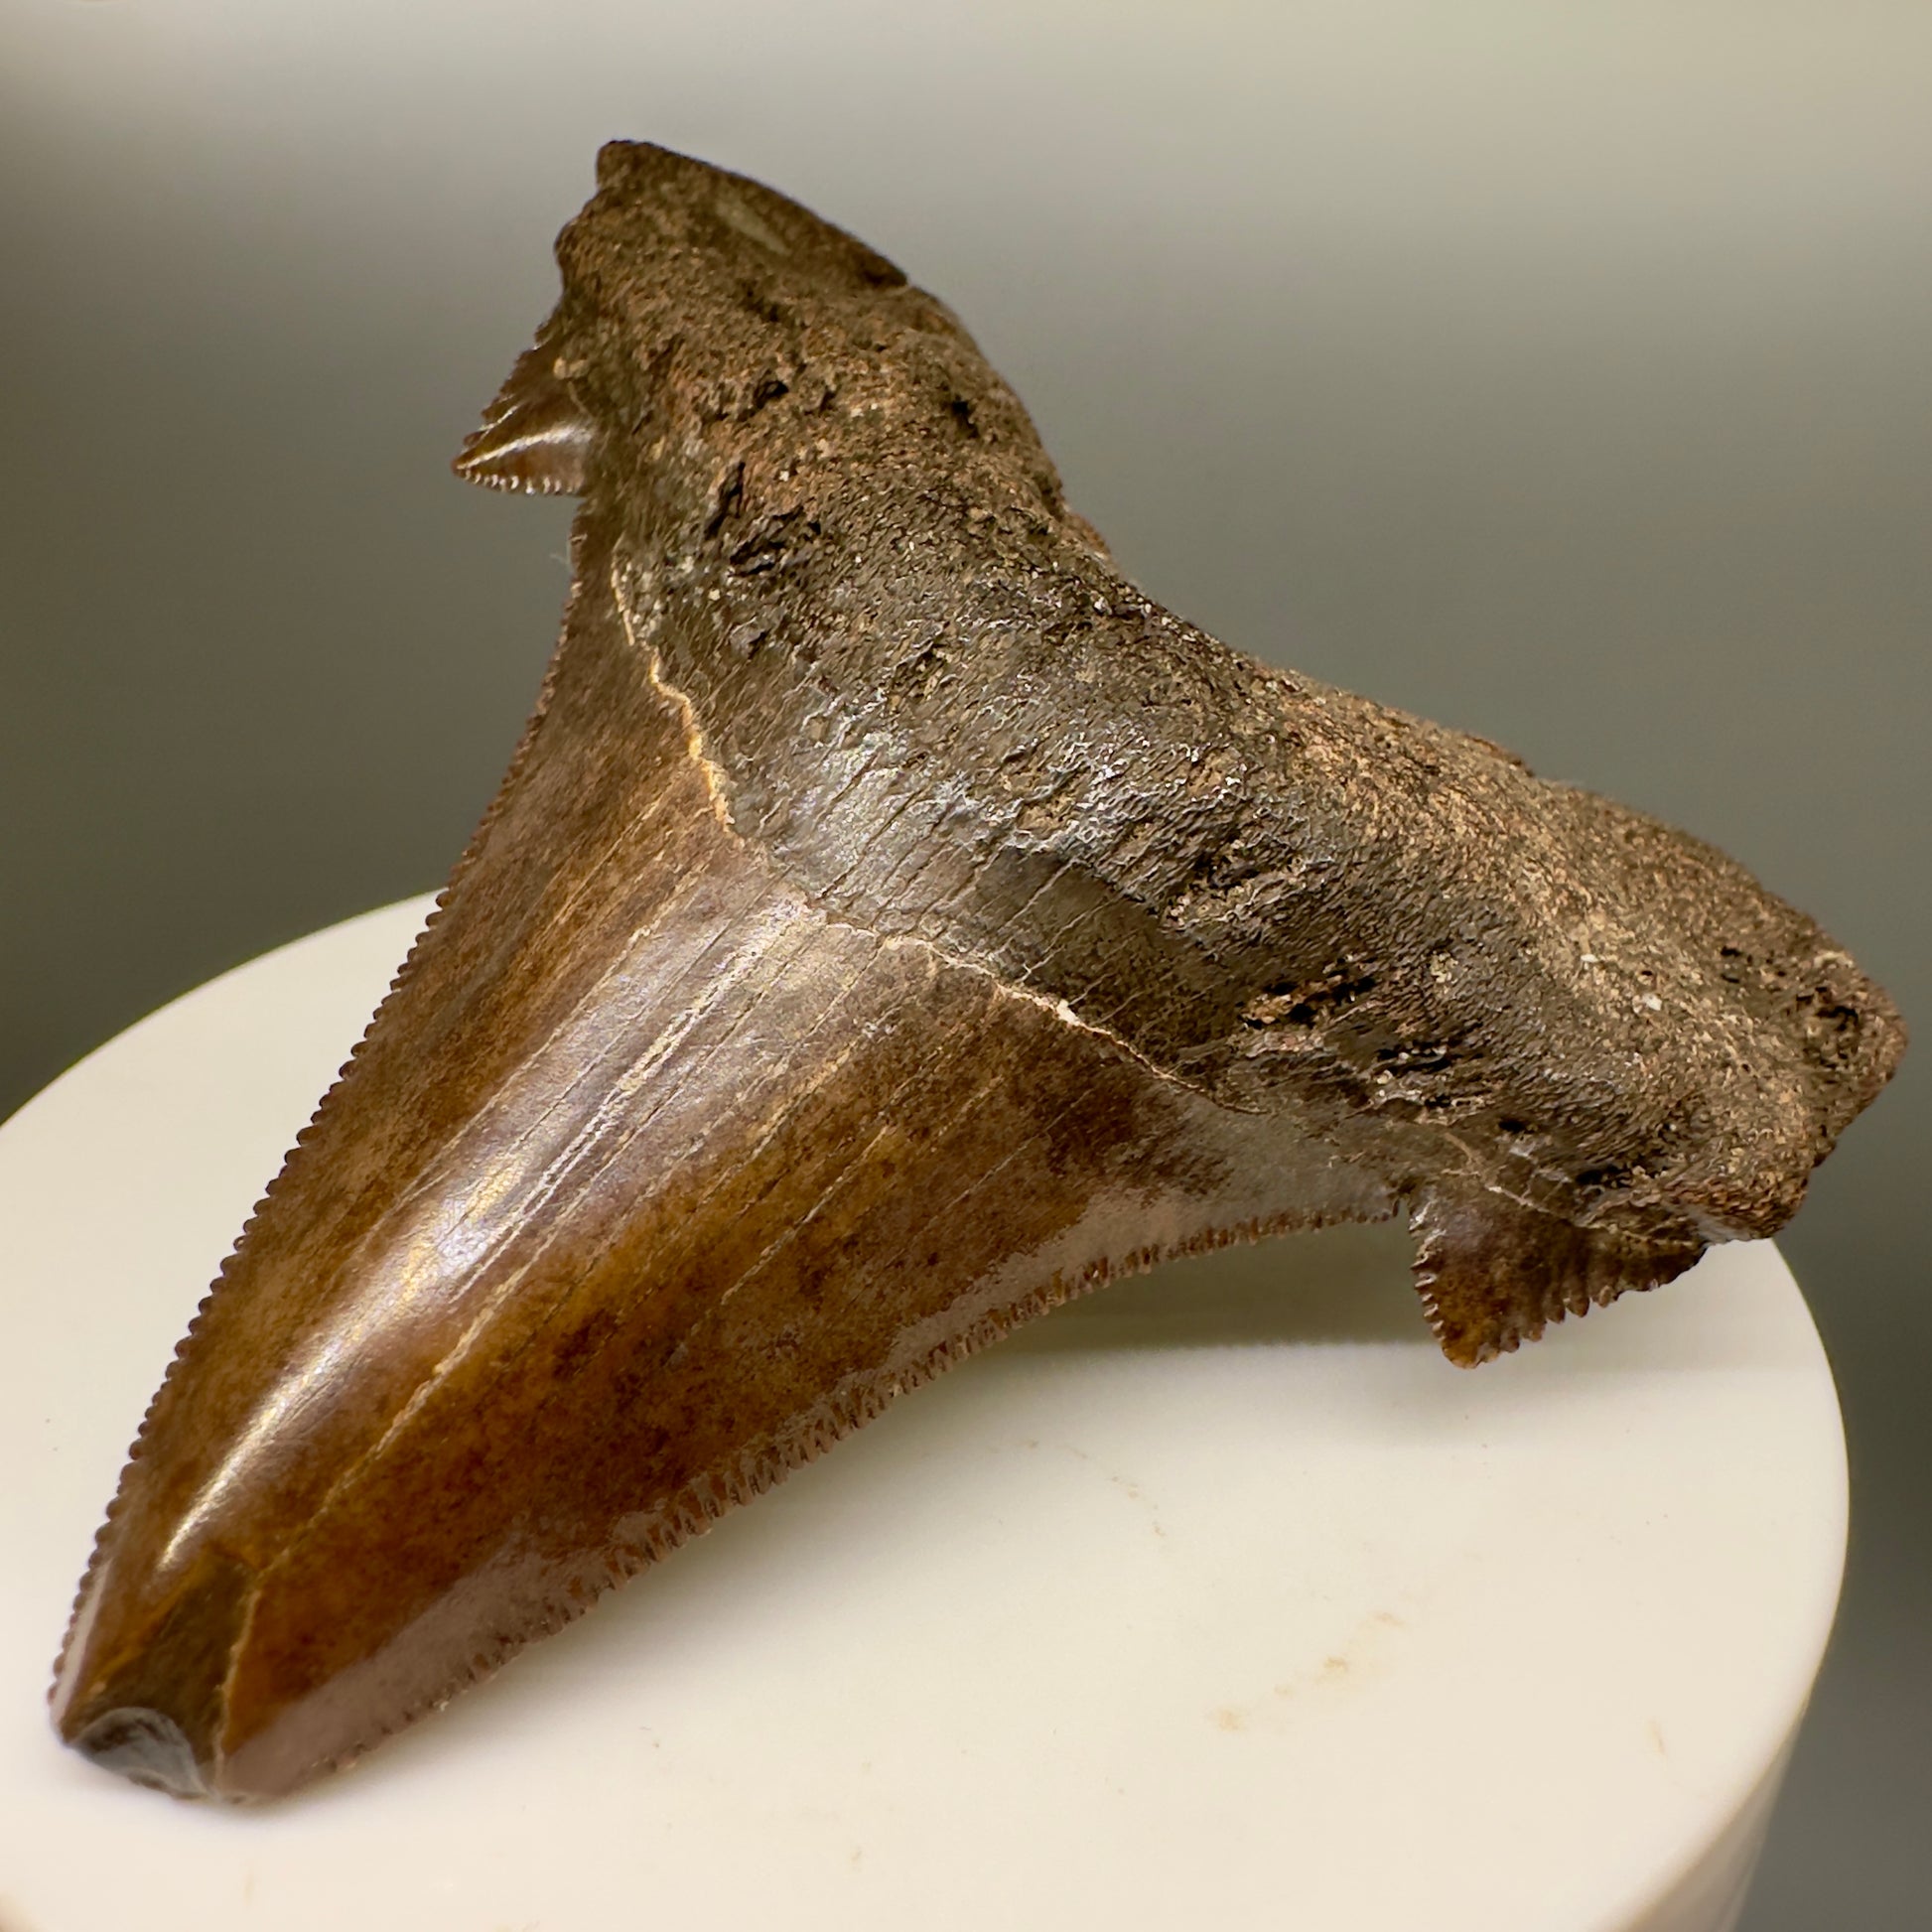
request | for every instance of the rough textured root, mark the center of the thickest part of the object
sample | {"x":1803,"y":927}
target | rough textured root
{"x":1494,"y":1274}
{"x":691,"y":1511}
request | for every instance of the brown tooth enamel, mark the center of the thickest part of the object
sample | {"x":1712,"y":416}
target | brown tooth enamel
{"x":891,"y":923}
{"x":534,"y":436}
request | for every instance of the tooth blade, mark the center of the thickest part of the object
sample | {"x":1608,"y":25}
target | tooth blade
{"x":649,"y":1181}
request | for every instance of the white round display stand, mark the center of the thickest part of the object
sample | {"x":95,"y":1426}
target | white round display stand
{"x":1217,"y":1601}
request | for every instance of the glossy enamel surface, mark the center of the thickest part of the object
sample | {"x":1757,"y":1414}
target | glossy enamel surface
{"x":892,"y":924}
{"x":1118,"y":1590}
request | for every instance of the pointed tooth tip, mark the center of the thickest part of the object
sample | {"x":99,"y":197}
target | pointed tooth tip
{"x":144,"y":1687}
{"x":143,"y":1746}
{"x":471,"y":461}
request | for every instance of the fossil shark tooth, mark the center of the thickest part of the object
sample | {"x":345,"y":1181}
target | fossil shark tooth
{"x":891,"y":923}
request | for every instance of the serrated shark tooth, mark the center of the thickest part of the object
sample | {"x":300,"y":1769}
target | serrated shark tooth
{"x":891,"y":923}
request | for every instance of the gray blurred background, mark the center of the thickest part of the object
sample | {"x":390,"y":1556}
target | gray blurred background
{"x":1563,"y":374}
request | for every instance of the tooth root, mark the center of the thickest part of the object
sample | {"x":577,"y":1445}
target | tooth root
{"x":649,"y":1181}
{"x":534,"y":437}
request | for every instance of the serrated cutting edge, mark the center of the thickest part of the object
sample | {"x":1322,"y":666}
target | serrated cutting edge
{"x":891,"y":923}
